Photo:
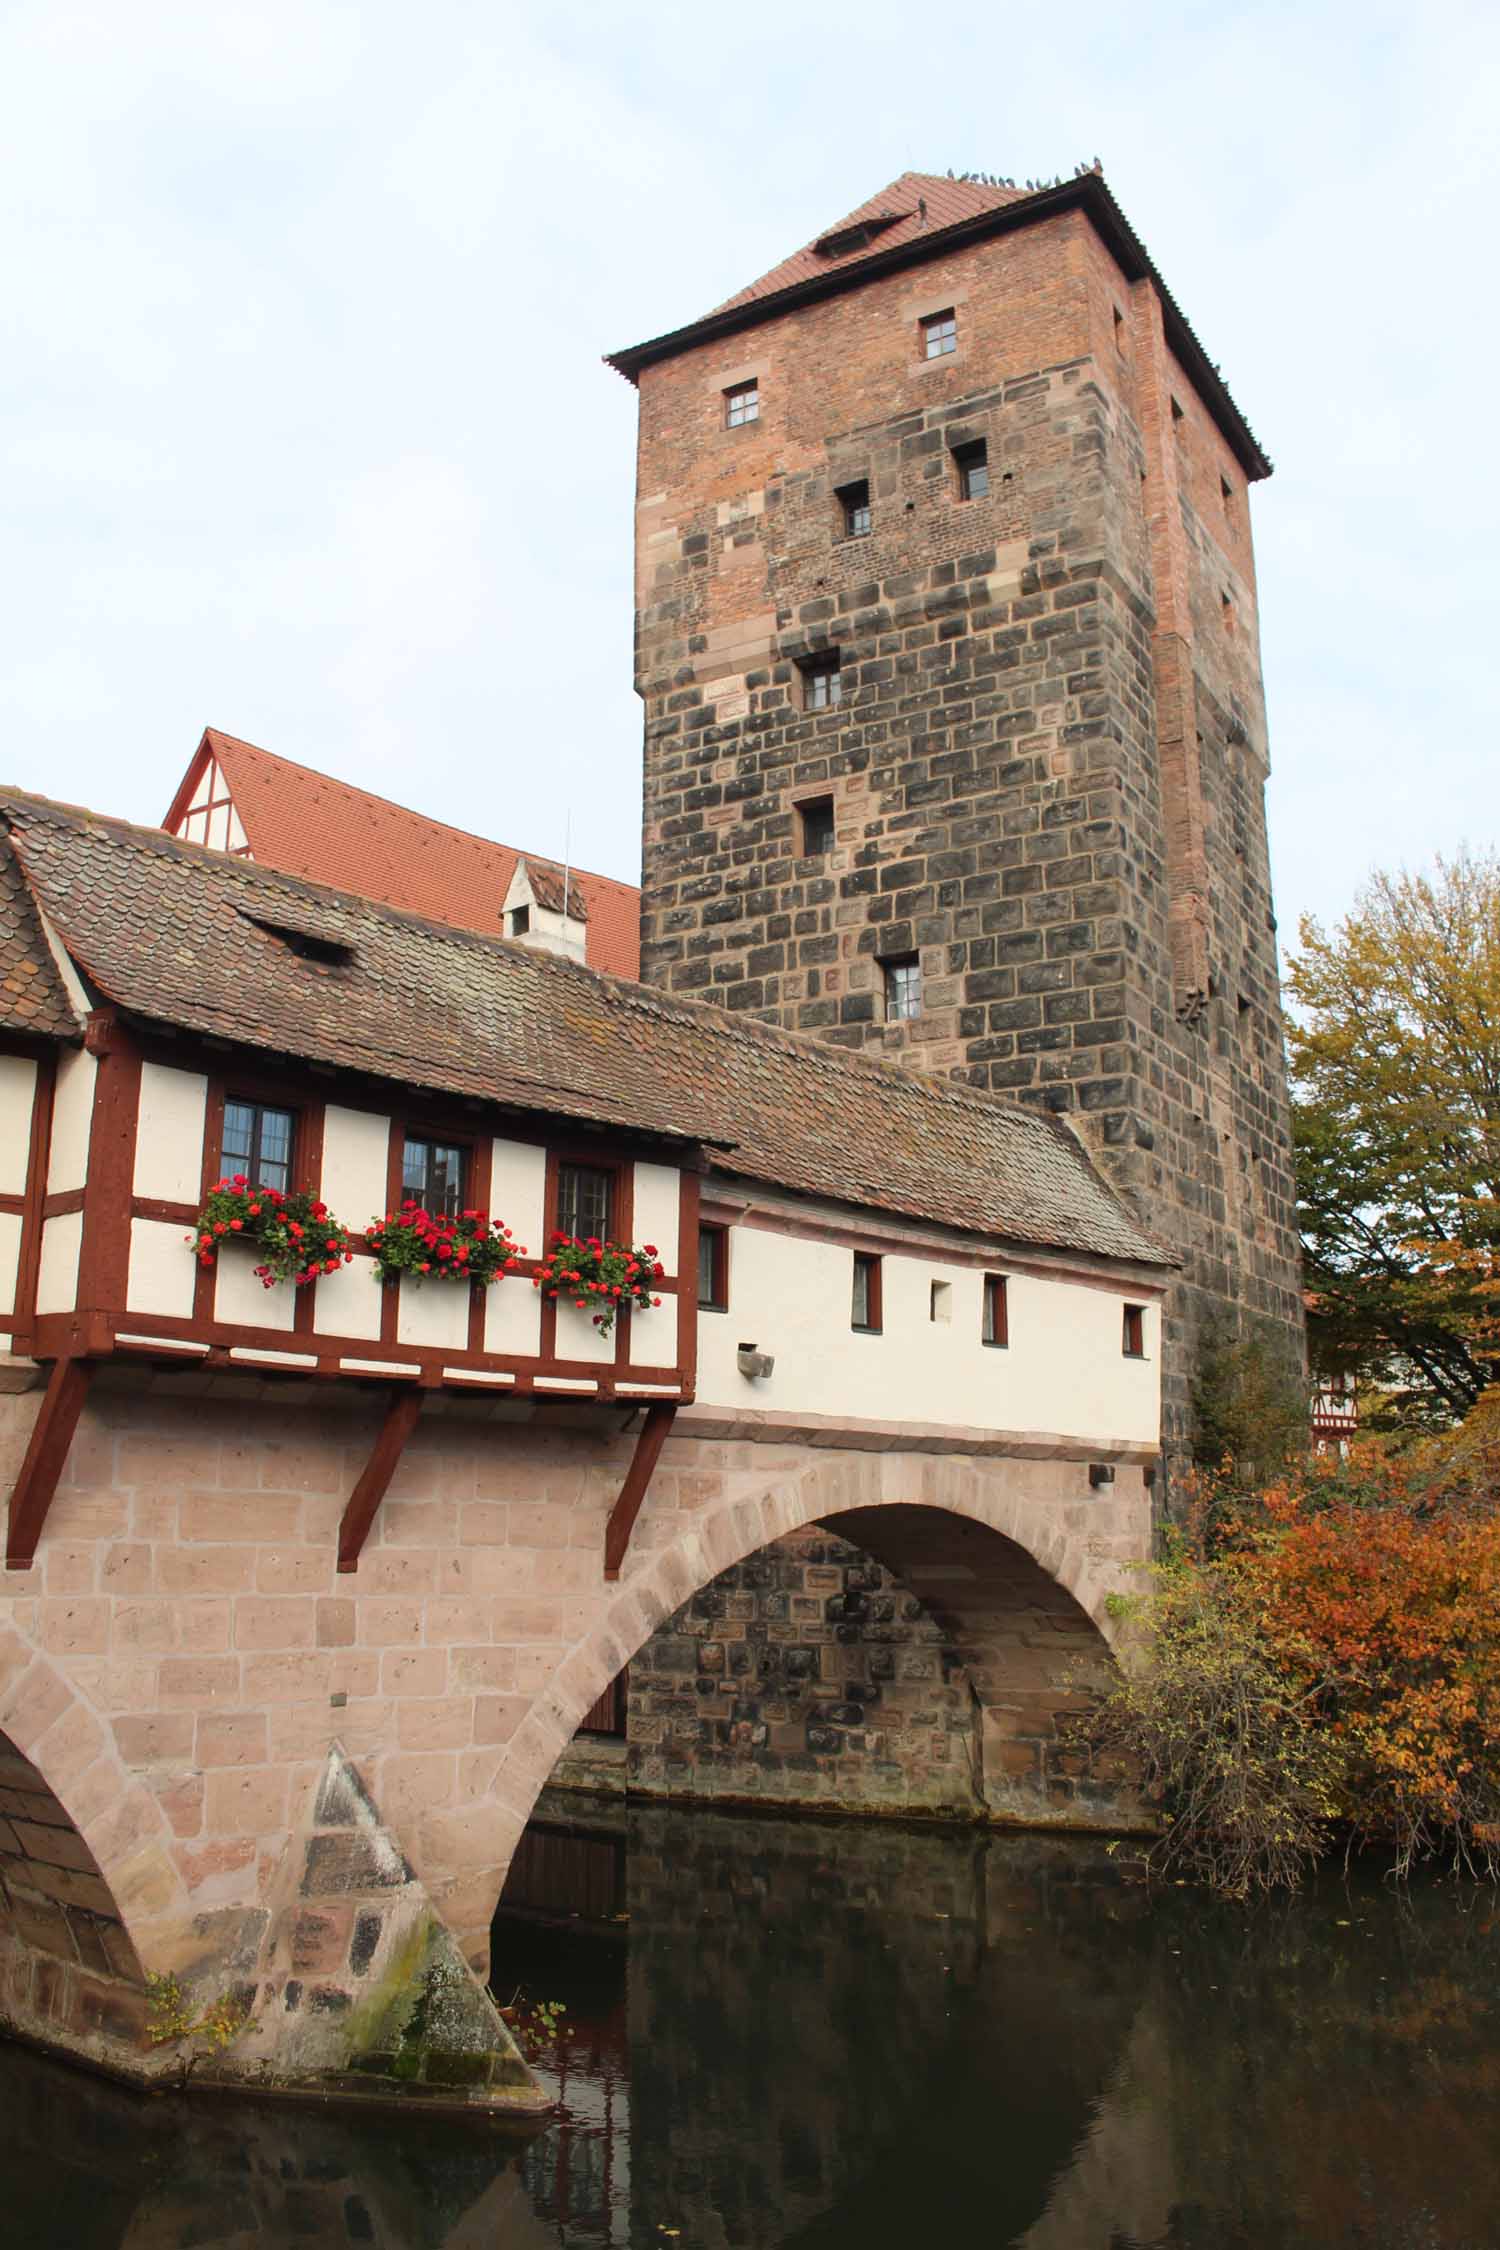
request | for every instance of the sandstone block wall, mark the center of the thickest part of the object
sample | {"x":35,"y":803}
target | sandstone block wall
{"x":1048,"y":764}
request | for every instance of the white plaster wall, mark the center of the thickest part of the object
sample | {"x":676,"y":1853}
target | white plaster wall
{"x":656,"y":1203}
{"x":518,"y":1188}
{"x":243,"y":1301}
{"x":513,"y":1317}
{"x":349,"y":1301}
{"x":162,"y":1269}
{"x":356,"y":1163}
{"x":169,"y":1137}
{"x":17,"y":1094}
{"x":72,"y":1116}
{"x":57,"y":1277}
{"x":1064,"y":1372}
{"x":578,"y":1338}
{"x":434,"y":1313}
{"x":10,"y":1258}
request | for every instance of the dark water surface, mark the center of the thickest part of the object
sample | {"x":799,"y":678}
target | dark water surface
{"x":824,"y":2036}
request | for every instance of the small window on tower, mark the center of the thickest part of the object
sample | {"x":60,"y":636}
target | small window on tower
{"x":816,"y":817}
{"x":1133,"y":1340}
{"x":903,"y":988}
{"x":854,"y":508}
{"x":1226,"y":494}
{"x":973,"y":465}
{"x":940,"y":334}
{"x":741,"y":404}
{"x":822,"y":681}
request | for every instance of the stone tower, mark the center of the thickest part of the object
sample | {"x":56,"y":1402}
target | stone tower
{"x":955,"y":733}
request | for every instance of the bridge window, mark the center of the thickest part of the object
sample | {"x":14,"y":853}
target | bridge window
{"x":584,"y":1198}
{"x":713,"y":1268}
{"x":258,"y":1142}
{"x":995,"y":1319}
{"x":1134,"y":1341}
{"x":864,"y":1312}
{"x":432,"y":1174}
{"x":940,"y":1301}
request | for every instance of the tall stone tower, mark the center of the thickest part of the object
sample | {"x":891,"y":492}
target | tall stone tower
{"x":955,"y":733}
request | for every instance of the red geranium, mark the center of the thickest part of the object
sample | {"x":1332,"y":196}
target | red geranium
{"x":470,"y":1247}
{"x":297,"y":1238}
{"x":601,"y":1276}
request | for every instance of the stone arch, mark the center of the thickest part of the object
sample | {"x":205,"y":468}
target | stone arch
{"x":1066,"y":1553}
{"x":107,"y":1823}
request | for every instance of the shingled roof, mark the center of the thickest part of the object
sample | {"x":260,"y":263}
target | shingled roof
{"x":32,"y":997}
{"x":311,"y":824}
{"x":193,"y":938}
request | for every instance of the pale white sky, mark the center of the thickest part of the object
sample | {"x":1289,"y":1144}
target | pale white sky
{"x":305,"y":431}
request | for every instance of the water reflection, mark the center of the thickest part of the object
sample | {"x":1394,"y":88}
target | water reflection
{"x":816,"y":2036}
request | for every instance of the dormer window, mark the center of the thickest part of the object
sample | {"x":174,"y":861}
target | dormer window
{"x":519,"y":921}
{"x":741,"y":404}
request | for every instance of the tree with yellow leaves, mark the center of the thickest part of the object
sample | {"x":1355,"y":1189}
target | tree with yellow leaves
{"x":1395,"y":1057}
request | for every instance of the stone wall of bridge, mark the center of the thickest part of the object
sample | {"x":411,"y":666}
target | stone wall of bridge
{"x":183,"y":1659}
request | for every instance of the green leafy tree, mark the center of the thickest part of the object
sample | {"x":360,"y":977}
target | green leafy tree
{"x":1395,"y":1057}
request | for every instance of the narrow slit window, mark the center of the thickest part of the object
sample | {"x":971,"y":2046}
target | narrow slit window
{"x":940,"y":1301}
{"x":432,"y":1174}
{"x":822,"y":682}
{"x":1119,"y":330}
{"x":1134,"y":1341}
{"x":815,"y":817}
{"x":713,"y":1268}
{"x":972,"y":463}
{"x":995,"y":1327}
{"x":854,"y":508}
{"x":258,"y":1142}
{"x":940,"y":334}
{"x":741,"y":404}
{"x":903,"y":988}
{"x":584,"y":1201}
{"x":864,"y":1311}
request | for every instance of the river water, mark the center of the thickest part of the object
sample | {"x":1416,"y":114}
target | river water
{"x":814,"y":2035}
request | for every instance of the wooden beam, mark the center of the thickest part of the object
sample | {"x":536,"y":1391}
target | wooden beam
{"x":52,"y":1434}
{"x":400,"y":1421}
{"x":655,"y":1431}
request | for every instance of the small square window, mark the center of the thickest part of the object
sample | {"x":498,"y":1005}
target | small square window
{"x":1133,"y":1342}
{"x":995,"y":1319}
{"x":973,"y":465}
{"x":816,"y":817}
{"x":713,"y":1268}
{"x":903,"y":988}
{"x":520,"y":921}
{"x":940,"y":1301}
{"x":940,"y":334}
{"x":258,"y":1142}
{"x":854,"y":507}
{"x":741,"y":404}
{"x":584,"y":1197}
{"x":432,"y":1174}
{"x":822,"y":681}
{"x":864,"y":1311}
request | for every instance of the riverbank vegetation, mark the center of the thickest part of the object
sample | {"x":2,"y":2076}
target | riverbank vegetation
{"x":1323,"y":1667}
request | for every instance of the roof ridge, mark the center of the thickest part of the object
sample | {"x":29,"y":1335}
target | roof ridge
{"x":392,"y":804}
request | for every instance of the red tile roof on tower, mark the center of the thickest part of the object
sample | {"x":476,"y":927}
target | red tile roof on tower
{"x":309,"y":824}
{"x":918,"y":203}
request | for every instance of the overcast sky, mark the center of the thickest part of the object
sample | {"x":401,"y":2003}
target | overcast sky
{"x":306,"y":434}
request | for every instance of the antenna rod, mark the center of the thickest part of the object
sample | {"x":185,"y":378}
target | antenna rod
{"x":567,"y":856}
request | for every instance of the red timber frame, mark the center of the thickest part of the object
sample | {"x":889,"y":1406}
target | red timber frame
{"x":102,"y":1326}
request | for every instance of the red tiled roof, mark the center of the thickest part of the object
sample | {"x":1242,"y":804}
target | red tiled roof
{"x":328,"y":831}
{"x":32,"y":994}
{"x":198,"y":939}
{"x":923,"y":203}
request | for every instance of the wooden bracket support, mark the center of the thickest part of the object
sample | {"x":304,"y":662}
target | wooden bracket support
{"x":400,"y":1421}
{"x":655,"y":1431}
{"x":52,"y":1434}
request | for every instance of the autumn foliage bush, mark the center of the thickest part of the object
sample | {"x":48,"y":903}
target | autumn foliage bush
{"x":1321,"y":1660}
